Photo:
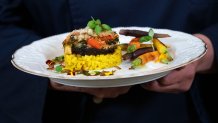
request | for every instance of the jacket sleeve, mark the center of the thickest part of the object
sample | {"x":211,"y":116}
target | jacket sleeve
{"x":211,"y":30}
{"x":211,"y":33}
{"x":206,"y":83}
{"x":21,"y":95}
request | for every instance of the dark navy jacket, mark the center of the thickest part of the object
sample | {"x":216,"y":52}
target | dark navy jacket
{"x":22,"y":96}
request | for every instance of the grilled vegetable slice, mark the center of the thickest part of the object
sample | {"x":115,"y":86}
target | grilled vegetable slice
{"x":165,"y":56}
{"x":140,"y":51}
{"x":139,"y":33}
{"x":94,"y":43}
{"x":135,"y":41}
{"x":145,"y":58}
{"x":161,"y":48}
{"x":127,"y":56}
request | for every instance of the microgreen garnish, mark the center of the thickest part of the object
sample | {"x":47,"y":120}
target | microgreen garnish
{"x":151,"y":33}
{"x":91,"y":24}
{"x":106,"y":27}
{"x":58,"y":68}
{"x":98,"y":22}
{"x":131,"y":48}
{"x":97,"y":26}
{"x":59,"y":59}
{"x":98,"y":29}
{"x":145,"y":39}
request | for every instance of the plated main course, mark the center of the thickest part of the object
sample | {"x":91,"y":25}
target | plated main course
{"x":91,"y":50}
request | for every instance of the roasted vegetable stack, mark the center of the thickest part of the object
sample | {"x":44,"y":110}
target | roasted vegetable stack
{"x":91,"y":48}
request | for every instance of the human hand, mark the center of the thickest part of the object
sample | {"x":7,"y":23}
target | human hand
{"x":180,"y":80}
{"x":100,"y":93}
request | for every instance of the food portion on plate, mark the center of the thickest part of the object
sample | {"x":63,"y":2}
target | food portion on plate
{"x":92,"y":48}
{"x":139,"y":52}
{"x":96,"y":47}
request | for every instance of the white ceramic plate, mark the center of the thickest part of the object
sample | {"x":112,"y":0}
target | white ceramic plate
{"x":184,"y":47}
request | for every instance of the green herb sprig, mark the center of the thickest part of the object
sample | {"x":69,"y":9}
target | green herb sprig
{"x":147,"y":38}
{"x":131,"y":48}
{"x":97,"y":26}
{"x":58,"y":68}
